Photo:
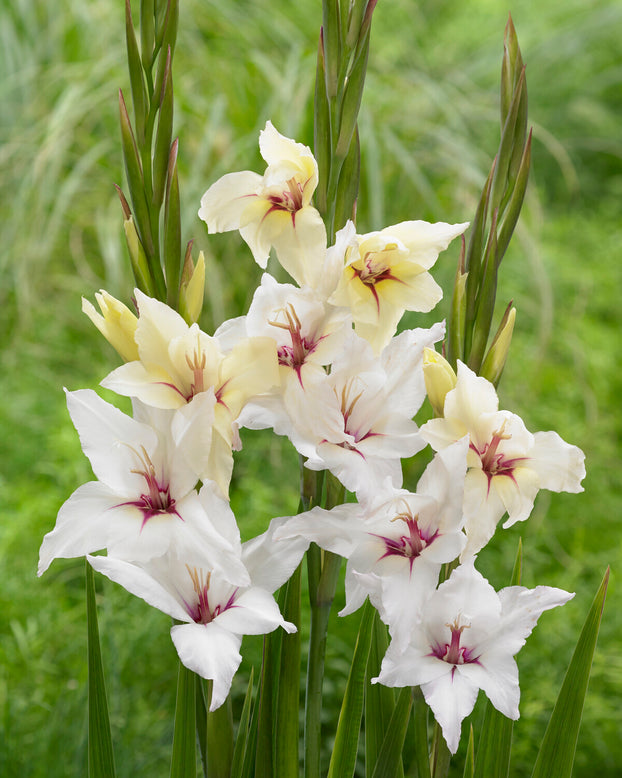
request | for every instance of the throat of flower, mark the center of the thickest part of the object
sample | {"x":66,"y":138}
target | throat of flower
{"x":292,"y":356}
{"x":157,"y":499}
{"x":200,"y":609}
{"x":197,"y":366}
{"x":495,"y":462}
{"x":411,"y":542}
{"x":453,"y":653}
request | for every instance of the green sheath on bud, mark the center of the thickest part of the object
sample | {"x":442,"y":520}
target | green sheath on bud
{"x":495,"y":359}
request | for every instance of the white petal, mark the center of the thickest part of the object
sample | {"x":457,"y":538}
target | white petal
{"x":139,"y":582}
{"x":338,"y":530}
{"x":521,"y":609}
{"x":211,"y":652}
{"x":110,"y":438}
{"x":497,"y":676}
{"x":254,"y":612}
{"x":451,"y":697}
{"x":271,"y":562}
{"x":82,"y":525}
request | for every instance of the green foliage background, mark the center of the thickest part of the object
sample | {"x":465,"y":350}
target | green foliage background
{"x":428,"y":129}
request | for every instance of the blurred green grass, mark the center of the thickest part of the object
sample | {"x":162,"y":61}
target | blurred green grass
{"x":428,"y":129}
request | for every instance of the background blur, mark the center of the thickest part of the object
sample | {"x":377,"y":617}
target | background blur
{"x":429,"y":127}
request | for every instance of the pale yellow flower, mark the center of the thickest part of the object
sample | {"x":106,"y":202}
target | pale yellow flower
{"x":385,"y":274}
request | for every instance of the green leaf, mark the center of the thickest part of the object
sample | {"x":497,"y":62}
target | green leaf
{"x":494,"y":746}
{"x":288,"y":698}
{"x":379,"y":699}
{"x":469,"y":766}
{"x":264,"y":761}
{"x":495,"y":740}
{"x":390,"y":756}
{"x":183,"y":761}
{"x":242,"y":739}
{"x":137,"y":81}
{"x":321,"y":131}
{"x":219,"y":738}
{"x":172,"y":232}
{"x":147,"y":32}
{"x":348,"y":187}
{"x":343,"y":758}
{"x":164,"y":133}
{"x":100,"y":753}
{"x":420,"y":718}
{"x":556,"y":755}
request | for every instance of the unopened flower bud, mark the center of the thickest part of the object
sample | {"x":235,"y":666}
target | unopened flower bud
{"x":138,"y":258}
{"x":494,"y":362}
{"x":192,"y":289}
{"x":116,"y":323}
{"x":439,"y":378}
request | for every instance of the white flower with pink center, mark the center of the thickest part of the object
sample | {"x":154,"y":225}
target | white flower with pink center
{"x":144,"y":503}
{"x":395,"y":541}
{"x":215,"y":613}
{"x":465,"y":640}
{"x":357,"y":421}
{"x":507,"y":464}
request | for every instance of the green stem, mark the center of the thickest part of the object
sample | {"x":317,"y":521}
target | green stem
{"x":320,"y":611}
{"x":440,"y":756}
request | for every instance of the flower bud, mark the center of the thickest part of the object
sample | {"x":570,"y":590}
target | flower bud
{"x":192,"y":288}
{"x":494,"y":362}
{"x":116,"y":323}
{"x":439,"y":378}
{"x":138,"y":258}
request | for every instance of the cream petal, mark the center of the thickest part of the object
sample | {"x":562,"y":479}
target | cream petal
{"x":224,"y":202}
{"x":424,"y":240}
{"x":153,"y":385}
{"x":301,"y":247}
{"x":560,"y":466}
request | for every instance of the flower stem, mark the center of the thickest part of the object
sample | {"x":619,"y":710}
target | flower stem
{"x":321,"y":604}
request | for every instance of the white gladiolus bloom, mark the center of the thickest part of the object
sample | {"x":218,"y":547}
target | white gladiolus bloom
{"x":395,"y":541}
{"x":357,"y":421}
{"x":144,"y":503}
{"x":465,"y":641}
{"x":215,"y":613}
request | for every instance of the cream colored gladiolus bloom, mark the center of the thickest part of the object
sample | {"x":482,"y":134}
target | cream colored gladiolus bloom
{"x":386,"y":274}
{"x":274,"y":209}
{"x":116,"y":323}
{"x":177,"y":362}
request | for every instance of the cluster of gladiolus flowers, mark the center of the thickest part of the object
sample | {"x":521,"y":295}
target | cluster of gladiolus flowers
{"x":318,"y":361}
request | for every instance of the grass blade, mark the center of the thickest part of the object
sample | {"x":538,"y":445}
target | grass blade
{"x":556,"y":755}
{"x":288,"y":698}
{"x":390,"y":757}
{"x":183,"y":761}
{"x":343,"y":759}
{"x":100,"y":753}
{"x":241,"y":742}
